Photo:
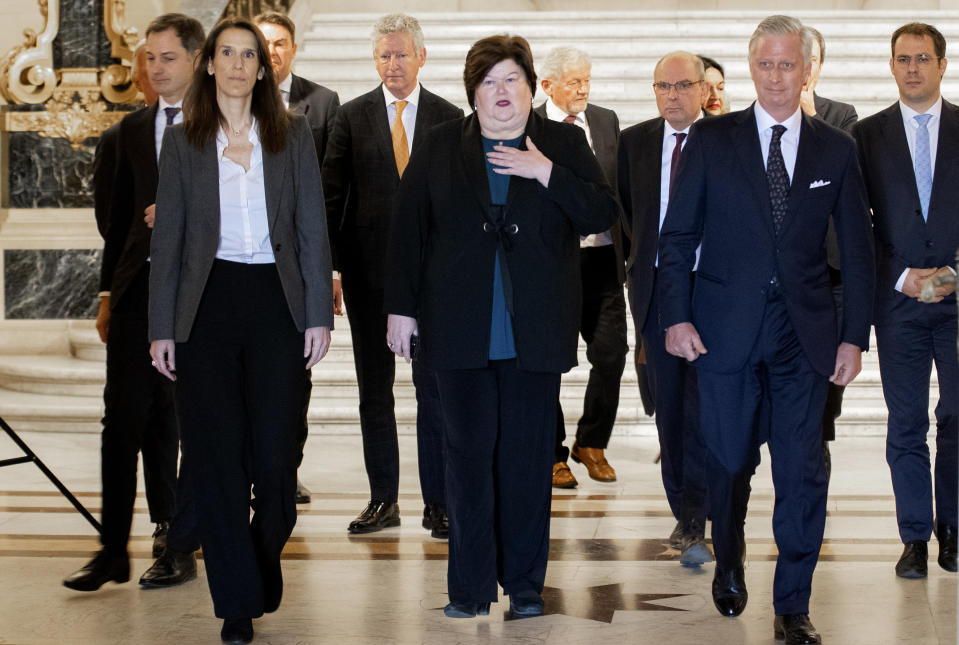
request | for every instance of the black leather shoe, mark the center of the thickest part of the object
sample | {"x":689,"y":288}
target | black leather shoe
{"x":103,"y":568}
{"x":729,"y":591}
{"x":676,"y":537}
{"x":159,"y":538}
{"x":694,"y":551}
{"x":913,"y":563}
{"x":302,"y":493}
{"x":795,"y":629}
{"x":435,"y":519}
{"x":525,"y":604}
{"x":237,"y":630}
{"x":466,"y":609}
{"x":947,"y":546}
{"x":375,"y":517}
{"x":170,"y":569}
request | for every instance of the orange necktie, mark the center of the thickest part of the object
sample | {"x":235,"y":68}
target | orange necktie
{"x":401,"y":149}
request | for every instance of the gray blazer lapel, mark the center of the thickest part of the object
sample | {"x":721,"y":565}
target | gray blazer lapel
{"x":275,"y":172}
{"x":208,"y":187}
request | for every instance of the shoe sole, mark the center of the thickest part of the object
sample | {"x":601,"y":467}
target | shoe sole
{"x":388,"y":525}
{"x":912,"y":574}
{"x":452,"y":612}
{"x":567,"y":485}
{"x":148,"y":584}
{"x":119,"y":581}
{"x":695,"y":556}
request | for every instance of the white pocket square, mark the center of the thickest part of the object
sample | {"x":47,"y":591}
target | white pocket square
{"x":819,"y":183}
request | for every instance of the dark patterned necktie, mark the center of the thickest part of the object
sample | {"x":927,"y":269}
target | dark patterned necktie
{"x":674,"y":160}
{"x":171,"y":113}
{"x":570,"y":119}
{"x":777,"y":178}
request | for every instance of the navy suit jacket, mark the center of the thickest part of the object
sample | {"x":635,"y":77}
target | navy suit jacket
{"x":360,"y":179}
{"x":722,"y":200}
{"x":318,"y":104}
{"x":903,"y":238}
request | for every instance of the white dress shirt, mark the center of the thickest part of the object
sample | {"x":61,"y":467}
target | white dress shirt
{"x":554,"y":113}
{"x":409,"y":112}
{"x":244,"y":226}
{"x":789,"y":143}
{"x":284,"y":86}
{"x":911,"y":127}
{"x":666,"y":163}
{"x":159,"y":125}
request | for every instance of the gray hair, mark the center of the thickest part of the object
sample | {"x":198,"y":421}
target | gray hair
{"x":135,"y":63}
{"x":559,"y":58}
{"x":399,"y":23}
{"x":822,"y":43}
{"x":782,"y":26}
{"x":697,"y":62}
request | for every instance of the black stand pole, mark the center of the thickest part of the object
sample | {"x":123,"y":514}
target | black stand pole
{"x":30,"y":456}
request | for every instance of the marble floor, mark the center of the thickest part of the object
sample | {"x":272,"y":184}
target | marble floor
{"x":611,"y":577}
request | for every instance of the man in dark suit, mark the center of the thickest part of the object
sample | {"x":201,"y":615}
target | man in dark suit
{"x":373,"y":138}
{"x":909,"y":153}
{"x":564,"y":77}
{"x":649,"y":154}
{"x":756,"y":189}
{"x":140,"y":412}
{"x":843,"y":116}
{"x":318,"y":104}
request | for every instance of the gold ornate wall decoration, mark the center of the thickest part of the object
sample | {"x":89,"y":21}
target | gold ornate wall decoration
{"x":67,"y":117}
{"x":116,"y":82}
{"x":26,"y":74}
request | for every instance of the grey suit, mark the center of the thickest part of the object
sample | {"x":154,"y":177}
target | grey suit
{"x":187,"y":229}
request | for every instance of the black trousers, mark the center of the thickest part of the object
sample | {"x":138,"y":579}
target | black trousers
{"x":907,"y":352}
{"x":501,"y":423}
{"x":682,"y":453}
{"x":603,"y":326}
{"x":776,"y":372}
{"x":140,"y":417}
{"x":375,"y":373}
{"x":834,"y":394}
{"x":240,"y":387}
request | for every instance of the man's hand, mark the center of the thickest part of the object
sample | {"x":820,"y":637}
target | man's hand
{"x":150,"y":214}
{"x":848,"y":364}
{"x":103,"y":318}
{"x":683,"y":340}
{"x":163,"y":352}
{"x":316,"y":342}
{"x":938,"y":291}
{"x":912,"y":285}
{"x":399,"y":329}
{"x":338,"y":297}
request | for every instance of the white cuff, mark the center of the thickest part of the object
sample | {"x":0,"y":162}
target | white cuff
{"x":902,"y":280}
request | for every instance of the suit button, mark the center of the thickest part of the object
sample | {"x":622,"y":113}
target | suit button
{"x":919,"y":212}
{"x":928,"y":244}
{"x":277,"y":248}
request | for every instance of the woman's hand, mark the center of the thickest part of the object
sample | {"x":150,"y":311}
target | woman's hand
{"x":162,"y":352}
{"x":317,"y":343}
{"x":531,"y":163}
{"x":398,"y":332}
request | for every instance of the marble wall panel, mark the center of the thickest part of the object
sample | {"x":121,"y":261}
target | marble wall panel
{"x":50,"y":283}
{"x":81,"y":40}
{"x":45,"y":173}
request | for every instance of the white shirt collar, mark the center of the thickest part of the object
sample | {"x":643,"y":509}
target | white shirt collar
{"x":554,"y":113}
{"x":670,"y":130}
{"x":162,"y":104}
{"x":222,"y":142}
{"x":286,"y":83}
{"x":413,"y":98}
{"x":764,"y":120}
{"x":908,"y":114}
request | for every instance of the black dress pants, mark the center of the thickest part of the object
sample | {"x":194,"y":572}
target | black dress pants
{"x":430,"y":442}
{"x":140,"y":417}
{"x":603,"y":327}
{"x":501,"y":423}
{"x":778,"y":372}
{"x":240,"y":386}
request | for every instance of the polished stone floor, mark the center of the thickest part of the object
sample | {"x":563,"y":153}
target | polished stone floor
{"x":611,"y":577}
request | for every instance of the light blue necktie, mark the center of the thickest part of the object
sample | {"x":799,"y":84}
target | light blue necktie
{"x":923,"y":163}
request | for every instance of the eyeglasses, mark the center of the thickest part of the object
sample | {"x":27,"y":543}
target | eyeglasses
{"x":922,"y":60}
{"x":662,"y":87}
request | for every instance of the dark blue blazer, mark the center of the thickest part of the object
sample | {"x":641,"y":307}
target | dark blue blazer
{"x":721,"y":198}
{"x":903,"y":238}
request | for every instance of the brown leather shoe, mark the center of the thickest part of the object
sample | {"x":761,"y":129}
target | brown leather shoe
{"x":563,"y":476}
{"x":596,"y":464}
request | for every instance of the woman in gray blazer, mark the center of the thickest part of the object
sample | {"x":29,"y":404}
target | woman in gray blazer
{"x":240,"y":305}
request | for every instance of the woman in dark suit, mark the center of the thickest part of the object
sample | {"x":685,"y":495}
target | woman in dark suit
{"x":483,"y":264}
{"x":240,"y":305}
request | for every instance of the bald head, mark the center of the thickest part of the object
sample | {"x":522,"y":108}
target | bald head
{"x":680,"y":90}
